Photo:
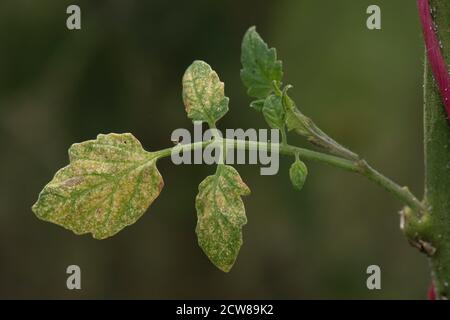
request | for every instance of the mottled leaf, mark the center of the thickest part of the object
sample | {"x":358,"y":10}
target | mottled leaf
{"x":109,"y":183}
{"x":273,"y":112}
{"x":221,"y":216}
{"x":260,"y":66}
{"x":203,"y":93}
{"x":298,"y":173}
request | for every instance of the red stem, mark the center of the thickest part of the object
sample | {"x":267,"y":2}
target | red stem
{"x":435,"y":57}
{"x":431,"y":292}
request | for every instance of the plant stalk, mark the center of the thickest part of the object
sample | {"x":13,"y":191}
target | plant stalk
{"x":361,"y":167}
{"x":437,"y":139}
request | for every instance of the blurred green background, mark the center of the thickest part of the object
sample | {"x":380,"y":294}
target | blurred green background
{"x":122,"y":73}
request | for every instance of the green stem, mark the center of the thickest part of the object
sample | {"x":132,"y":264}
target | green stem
{"x":437,"y":157}
{"x":361,"y":167}
{"x":283,"y":136}
{"x":179,"y":148}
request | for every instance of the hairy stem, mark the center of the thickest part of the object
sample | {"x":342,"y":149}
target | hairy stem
{"x":436,"y":28}
{"x":360,"y":166}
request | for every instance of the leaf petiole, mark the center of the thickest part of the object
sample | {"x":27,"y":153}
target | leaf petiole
{"x":358,"y":166}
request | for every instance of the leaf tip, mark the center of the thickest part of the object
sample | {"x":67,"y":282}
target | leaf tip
{"x":251,"y":29}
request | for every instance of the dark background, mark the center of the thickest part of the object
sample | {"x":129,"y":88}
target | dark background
{"x":122,"y":73}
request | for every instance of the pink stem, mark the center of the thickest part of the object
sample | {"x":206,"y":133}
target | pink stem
{"x":431,"y":292}
{"x":435,"y":57}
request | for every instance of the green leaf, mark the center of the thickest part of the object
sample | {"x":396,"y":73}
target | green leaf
{"x":304,"y":126}
{"x":221,"y":216}
{"x":274,"y":112}
{"x":295,"y":120}
{"x":298,"y":173}
{"x":257,"y":104}
{"x":203,"y":93}
{"x":109,"y":183}
{"x":260,"y":65}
